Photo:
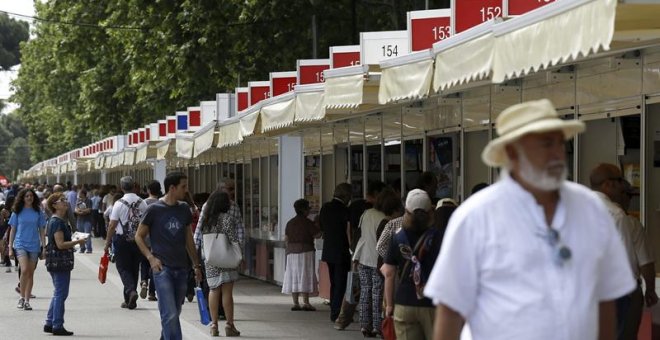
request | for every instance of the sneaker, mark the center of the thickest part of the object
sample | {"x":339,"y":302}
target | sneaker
{"x":143,"y":289}
{"x":132,"y":300}
{"x":152,"y":298}
{"x":124,"y":305}
{"x":82,"y":251}
{"x":48,"y":328}
{"x":26,"y":306}
{"x":190,"y":297}
{"x":21,"y":303}
{"x":89,"y":252}
{"x":61,"y":331}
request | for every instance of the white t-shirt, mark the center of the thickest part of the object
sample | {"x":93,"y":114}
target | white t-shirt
{"x":500,"y":273}
{"x":120,"y":210}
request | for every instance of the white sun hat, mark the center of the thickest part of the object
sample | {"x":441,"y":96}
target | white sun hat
{"x":518,"y":120}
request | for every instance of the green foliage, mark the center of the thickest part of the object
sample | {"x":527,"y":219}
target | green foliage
{"x":135,"y":61}
{"x":12,"y":33}
{"x":14,"y":150}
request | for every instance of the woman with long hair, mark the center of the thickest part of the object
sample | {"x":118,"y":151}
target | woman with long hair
{"x":27,"y":239}
{"x":59,"y":234}
{"x":220,"y":280}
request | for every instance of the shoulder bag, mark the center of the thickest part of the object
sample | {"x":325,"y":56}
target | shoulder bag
{"x":220,"y":251}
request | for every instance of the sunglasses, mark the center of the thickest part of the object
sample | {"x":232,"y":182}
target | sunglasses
{"x":561,"y":252}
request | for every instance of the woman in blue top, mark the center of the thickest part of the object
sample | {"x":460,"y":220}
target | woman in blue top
{"x":27,"y":238}
{"x":59,"y":232}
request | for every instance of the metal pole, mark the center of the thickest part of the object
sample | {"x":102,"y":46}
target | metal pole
{"x":314,"y":37}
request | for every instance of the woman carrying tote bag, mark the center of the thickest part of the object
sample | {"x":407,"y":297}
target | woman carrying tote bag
{"x":218,"y":224}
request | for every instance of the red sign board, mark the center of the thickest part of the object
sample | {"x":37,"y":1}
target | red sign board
{"x":519,"y":7}
{"x":426,"y":31}
{"x":470,"y":13}
{"x":242,"y":101}
{"x":142,"y":136}
{"x":148,"y":134}
{"x":162,"y":129}
{"x":171,"y":125}
{"x":195,"y":118}
{"x":344,"y":59}
{"x":312,"y":74}
{"x":283,"y":85}
{"x":259,"y":93}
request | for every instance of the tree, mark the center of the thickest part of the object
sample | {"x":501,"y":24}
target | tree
{"x":14,"y":150}
{"x":120,"y":64}
{"x":12,"y":33}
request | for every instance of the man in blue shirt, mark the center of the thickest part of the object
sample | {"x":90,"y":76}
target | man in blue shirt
{"x":167,"y":224}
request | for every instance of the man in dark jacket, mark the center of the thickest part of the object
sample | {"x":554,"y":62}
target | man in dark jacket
{"x":333,"y":219}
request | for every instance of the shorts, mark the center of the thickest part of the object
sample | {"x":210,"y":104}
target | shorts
{"x":32,"y":256}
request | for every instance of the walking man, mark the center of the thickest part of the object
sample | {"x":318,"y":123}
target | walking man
{"x":124,"y":222}
{"x":610,"y":186}
{"x":334,"y":218}
{"x":167,"y":224}
{"x":532,"y":256}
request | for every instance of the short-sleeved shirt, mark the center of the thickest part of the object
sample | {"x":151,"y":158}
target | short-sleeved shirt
{"x":57,"y":224}
{"x":96,"y":202}
{"x":365,"y":251}
{"x":120,"y":210}
{"x":27,"y":224}
{"x":168,"y":225}
{"x":84,"y":204}
{"x":300,"y":232}
{"x":499,"y":271}
{"x":406,"y":292}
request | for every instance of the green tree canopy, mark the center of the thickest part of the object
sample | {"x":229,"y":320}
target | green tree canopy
{"x":12,"y":33}
{"x":119,"y":64}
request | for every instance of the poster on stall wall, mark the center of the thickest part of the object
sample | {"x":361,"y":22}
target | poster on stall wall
{"x":441,"y":164}
{"x":313,"y":184}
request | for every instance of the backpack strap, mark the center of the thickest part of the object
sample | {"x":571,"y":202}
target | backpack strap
{"x":429,"y":233}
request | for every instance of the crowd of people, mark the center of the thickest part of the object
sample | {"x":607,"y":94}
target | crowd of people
{"x":532,"y":256}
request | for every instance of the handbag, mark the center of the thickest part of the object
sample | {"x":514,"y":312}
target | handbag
{"x":204,"y":316}
{"x":352,"y":294}
{"x":387,"y":328}
{"x":220,"y":252}
{"x":58,"y":260}
{"x":103,"y":267}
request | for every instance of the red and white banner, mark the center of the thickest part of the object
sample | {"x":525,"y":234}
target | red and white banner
{"x":470,"y":13}
{"x":428,"y":27}
{"x":282,"y":82}
{"x":310,"y":71}
{"x":344,"y":56}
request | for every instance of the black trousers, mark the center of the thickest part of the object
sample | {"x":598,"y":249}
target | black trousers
{"x":128,"y":257}
{"x":338,"y":273}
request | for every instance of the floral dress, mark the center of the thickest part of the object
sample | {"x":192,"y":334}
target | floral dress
{"x":215,"y":276}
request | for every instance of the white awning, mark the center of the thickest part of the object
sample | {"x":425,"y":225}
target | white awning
{"x":309,"y":103}
{"x":129,"y":156}
{"x":230,"y":134}
{"x":553,"y":34}
{"x":118,"y":159}
{"x":162,"y":149}
{"x":407,"y":77}
{"x":141,"y":153}
{"x":184,"y":145}
{"x":278,"y":112}
{"x":346,"y":87}
{"x":204,"y":138}
{"x":248,"y":122}
{"x":464,"y":57}
{"x":71,"y":166}
{"x":99,"y":160}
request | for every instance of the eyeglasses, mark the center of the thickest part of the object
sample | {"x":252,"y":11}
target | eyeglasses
{"x":561,"y":251}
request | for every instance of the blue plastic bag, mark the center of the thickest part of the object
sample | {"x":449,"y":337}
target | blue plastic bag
{"x":204,"y":316}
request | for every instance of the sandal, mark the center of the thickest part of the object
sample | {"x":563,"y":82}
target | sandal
{"x":230,"y":330}
{"x":214,"y":329}
{"x":296,"y":308}
{"x":308,"y":308}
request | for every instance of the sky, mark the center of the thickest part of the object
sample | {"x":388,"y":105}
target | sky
{"x":24,"y":7}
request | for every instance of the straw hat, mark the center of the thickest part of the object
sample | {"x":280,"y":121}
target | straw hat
{"x":518,"y":120}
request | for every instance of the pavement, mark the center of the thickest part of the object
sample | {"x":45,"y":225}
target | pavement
{"x":93,"y":312}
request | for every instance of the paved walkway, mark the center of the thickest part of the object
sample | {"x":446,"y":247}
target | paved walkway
{"x":92,"y":310}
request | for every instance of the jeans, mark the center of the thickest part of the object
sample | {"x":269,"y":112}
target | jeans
{"x":85,"y":226}
{"x":171,"y":289}
{"x":55,"y":316}
{"x":128,"y":257}
{"x":146,"y":276}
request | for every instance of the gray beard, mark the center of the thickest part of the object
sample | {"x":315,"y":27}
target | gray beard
{"x":540,"y":179}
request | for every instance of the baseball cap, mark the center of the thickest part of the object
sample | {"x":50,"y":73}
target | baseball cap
{"x":418,"y":199}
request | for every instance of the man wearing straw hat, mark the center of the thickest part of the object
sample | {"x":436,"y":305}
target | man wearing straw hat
{"x":532,"y":256}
